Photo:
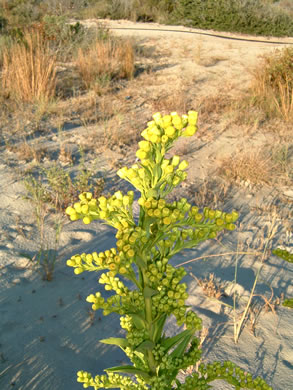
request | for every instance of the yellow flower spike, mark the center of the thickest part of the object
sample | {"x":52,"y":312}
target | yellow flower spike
{"x":70,"y":210}
{"x":157,"y":117}
{"x":145,"y":145}
{"x":184,"y":119}
{"x":192,"y":120}
{"x":167,"y":119}
{"x":147,"y":204}
{"x":154,"y":138}
{"x":118,"y":195}
{"x":170,"y":131}
{"x":164,"y":139}
{"x":145,"y":134}
{"x":165,"y":212}
{"x":175,"y":181}
{"x":177,"y":122}
{"x":126,"y":200}
{"x":169,"y":169}
{"x":141,"y":173}
{"x":77,"y":207}
{"x":161,"y":203}
{"x":164,"y":164}
{"x":122,"y":173}
{"x":125,"y":223}
{"x":154,"y":130}
{"x":175,"y":161}
{"x":117,"y":203}
{"x":150,"y":212}
{"x":70,"y":263}
{"x":157,"y":213}
{"x":89,"y":258}
{"x":183,"y":165}
{"x":102,"y":200}
{"x":141,"y":154}
{"x":130,"y":253}
{"x":167,"y":221}
{"x":189,"y":131}
{"x":141,"y":202}
{"x":86,"y":220}
{"x":73,"y":217}
{"x":103,"y":214}
{"x":85,"y":209}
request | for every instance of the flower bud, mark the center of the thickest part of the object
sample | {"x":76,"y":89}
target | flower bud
{"x":145,"y":145}
{"x":141,"y":154}
{"x":183,"y":165}
{"x":175,"y":161}
{"x":169,"y":169}
{"x":164,"y":140}
{"x":86,"y":220}
{"x":170,"y":131}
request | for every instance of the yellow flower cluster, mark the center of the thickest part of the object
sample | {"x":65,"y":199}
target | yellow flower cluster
{"x":117,"y":210}
{"x":159,"y":209}
{"x":166,"y":129}
{"x":110,"y":259}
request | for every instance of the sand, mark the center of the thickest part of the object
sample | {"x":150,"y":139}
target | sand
{"x":48,"y":332}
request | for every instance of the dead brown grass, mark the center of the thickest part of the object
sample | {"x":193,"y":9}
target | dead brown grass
{"x":272,"y":85}
{"x":29,"y":70}
{"x":250,"y":167}
{"x":176,"y":100}
{"x":104,"y":61}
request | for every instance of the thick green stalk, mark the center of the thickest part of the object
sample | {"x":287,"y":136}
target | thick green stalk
{"x":149,"y":320}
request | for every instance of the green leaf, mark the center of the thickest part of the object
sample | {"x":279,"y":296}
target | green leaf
{"x":171,"y":341}
{"x":145,"y":345}
{"x":120,"y":342}
{"x":138,"y":321}
{"x":158,"y":327}
{"x":128,"y":370}
{"x":178,"y":352}
{"x":288,"y":303}
{"x":149,"y":292}
{"x":152,"y":193}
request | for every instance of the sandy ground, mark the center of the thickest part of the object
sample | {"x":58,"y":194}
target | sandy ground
{"x":48,"y":332}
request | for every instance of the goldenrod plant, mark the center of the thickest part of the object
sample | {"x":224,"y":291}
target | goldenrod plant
{"x":143,"y":250}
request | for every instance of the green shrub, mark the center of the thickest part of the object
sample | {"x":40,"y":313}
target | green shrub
{"x":247,"y":16}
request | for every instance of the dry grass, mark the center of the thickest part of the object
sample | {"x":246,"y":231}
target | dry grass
{"x":27,"y":153}
{"x":104,"y":61}
{"x":176,"y":100}
{"x":272,"y":85}
{"x":250,"y":167}
{"x":29,"y":70}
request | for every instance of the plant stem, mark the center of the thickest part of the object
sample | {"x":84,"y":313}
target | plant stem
{"x":148,"y":316}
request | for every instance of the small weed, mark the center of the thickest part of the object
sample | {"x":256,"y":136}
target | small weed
{"x":210,"y":286}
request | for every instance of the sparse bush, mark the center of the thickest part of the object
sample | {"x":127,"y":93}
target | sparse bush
{"x":105,"y":60}
{"x":272,"y":86}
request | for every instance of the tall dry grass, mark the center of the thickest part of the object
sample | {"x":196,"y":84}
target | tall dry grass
{"x":29,"y":70}
{"x":105,"y":60}
{"x":272,"y":85}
